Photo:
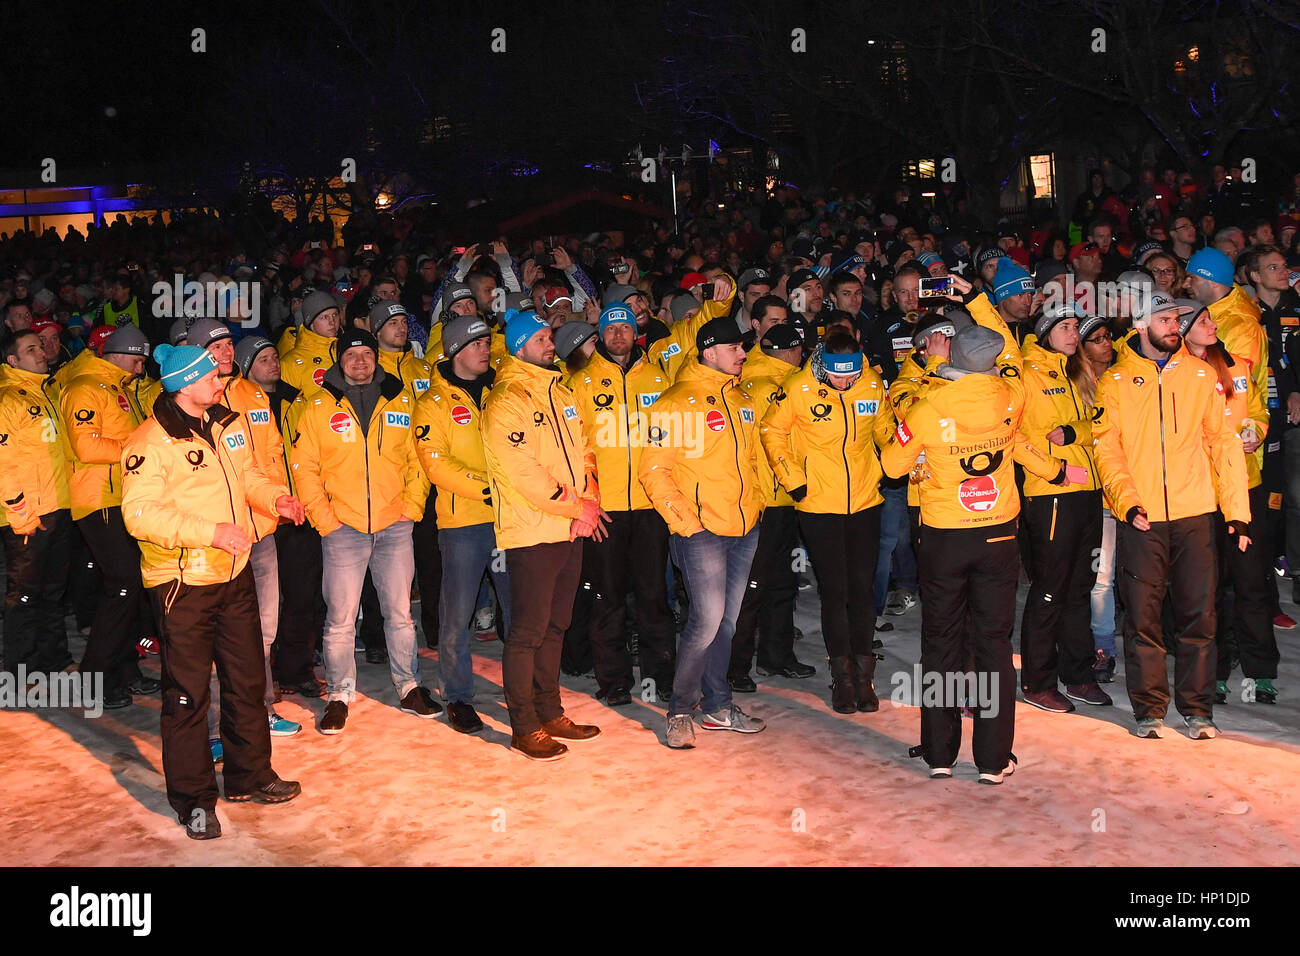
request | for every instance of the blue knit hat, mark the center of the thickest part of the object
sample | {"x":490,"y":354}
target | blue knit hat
{"x":613,"y":314}
{"x":520,"y":327}
{"x":1010,"y":280}
{"x":1211,"y":264}
{"x":925,"y":259}
{"x":183,"y":365}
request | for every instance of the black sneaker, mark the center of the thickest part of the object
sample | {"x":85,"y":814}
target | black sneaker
{"x":743,"y":685}
{"x":202,"y":826}
{"x":334,"y":718}
{"x":882,"y":625}
{"x":277,"y":791}
{"x":793,"y":669}
{"x":117,"y":699}
{"x":308,"y":688}
{"x":144,"y":685}
{"x":420,"y":702}
{"x":376,"y":655}
{"x":618,"y":696}
{"x":463,"y":717}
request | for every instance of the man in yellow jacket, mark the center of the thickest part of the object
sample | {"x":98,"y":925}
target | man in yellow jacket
{"x":545,"y":499}
{"x":616,"y":391}
{"x":354,"y":466}
{"x":245,"y":398}
{"x":969,"y":563}
{"x":677,"y":349}
{"x":303,"y":367}
{"x":766,"y":615}
{"x":34,"y":500}
{"x":1168,"y":458}
{"x":700,"y":471}
{"x":190,"y":487}
{"x":449,"y":444}
{"x":100,"y":409}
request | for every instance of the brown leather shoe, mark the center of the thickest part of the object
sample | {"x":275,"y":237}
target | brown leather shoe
{"x":538,"y":746}
{"x":565,"y":729}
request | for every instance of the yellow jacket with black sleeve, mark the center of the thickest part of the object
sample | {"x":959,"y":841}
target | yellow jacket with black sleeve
{"x":449,"y":444}
{"x":100,"y":409}
{"x":677,"y":350}
{"x":34,"y":452}
{"x":1162,"y":440}
{"x":539,"y":460}
{"x":970,"y":433}
{"x":1051,"y":402}
{"x":825,"y":440}
{"x":366,"y":476}
{"x":700,"y":468}
{"x":177,"y":487}
{"x":615,"y":406}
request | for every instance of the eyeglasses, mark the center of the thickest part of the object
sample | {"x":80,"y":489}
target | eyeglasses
{"x":1163,"y":272}
{"x":1100,"y":336}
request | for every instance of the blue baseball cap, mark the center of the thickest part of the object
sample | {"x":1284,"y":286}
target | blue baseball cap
{"x":1211,"y":264}
{"x":613,"y":314}
{"x":520,"y":327}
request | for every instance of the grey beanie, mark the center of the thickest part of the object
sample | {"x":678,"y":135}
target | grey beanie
{"x":682,"y":303}
{"x":976,"y":349}
{"x":314,"y":304}
{"x":1052,"y":314}
{"x":454,"y":292}
{"x":1185,"y":322}
{"x":949,"y":322}
{"x":462,"y":330}
{"x":384,"y":310}
{"x":180,"y":330}
{"x":248,"y":349}
{"x":571,"y":335}
{"x":617,"y":293}
{"x":519,"y":301}
{"x":126,"y":340}
{"x":203,"y":332}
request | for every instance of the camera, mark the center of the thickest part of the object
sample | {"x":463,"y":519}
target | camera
{"x":935,"y":287}
{"x":545,"y":260}
{"x":621,"y":268}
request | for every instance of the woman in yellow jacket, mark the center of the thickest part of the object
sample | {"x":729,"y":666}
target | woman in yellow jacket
{"x":821,"y":438}
{"x":1062,"y":523}
{"x":1246,"y":633}
{"x":314,"y":350}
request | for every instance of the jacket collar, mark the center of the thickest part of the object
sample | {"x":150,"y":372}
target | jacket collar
{"x":173,"y":422}
{"x":390,"y":386}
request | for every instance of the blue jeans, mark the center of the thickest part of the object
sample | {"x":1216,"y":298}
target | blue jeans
{"x":715,"y":570}
{"x":466,"y":554}
{"x":894,"y":537}
{"x":1103,"y":591}
{"x":346,"y":553}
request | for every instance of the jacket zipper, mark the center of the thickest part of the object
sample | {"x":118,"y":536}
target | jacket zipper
{"x":1164,"y":471}
{"x":628,"y":417}
{"x":559,"y":437}
{"x":844,"y":455}
{"x":1078,"y":416}
{"x":735,"y":441}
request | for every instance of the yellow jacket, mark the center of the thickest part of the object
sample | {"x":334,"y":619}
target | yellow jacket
{"x":450,"y":448}
{"x":1163,"y":442}
{"x":970,"y":434}
{"x":615,"y":408}
{"x":1242,"y":334}
{"x":368,"y":481}
{"x":435,"y":356}
{"x":677,"y":350}
{"x":539,"y":460}
{"x":700,"y":468}
{"x":288,"y":339}
{"x":912,"y":385}
{"x":1010,"y":363}
{"x":34,"y":452}
{"x":1247,"y":409}
{"x":761,"y":385}
{"x":176,"y":489}
{"x":100,"y":409}
{"x":305,"y":365}
{"x":1051,"y":401}
{"x":245,"y":398}
{"x":414,"y":373}
{"x":825,"y":441}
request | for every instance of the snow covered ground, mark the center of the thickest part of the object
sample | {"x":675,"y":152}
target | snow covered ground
{"x":814,"y":788}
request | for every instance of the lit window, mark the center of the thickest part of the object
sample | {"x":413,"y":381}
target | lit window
{"x":1042,"y":169}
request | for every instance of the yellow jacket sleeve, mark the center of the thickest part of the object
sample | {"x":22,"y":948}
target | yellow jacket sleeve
{"x":433,"y":447}
{"x":656,"y":473}
{"x":149,"y":511}
{"x":774,"y":432}
{"x":533,"y":482}
{"x":1229,"y":461}
{"x":1108,"y":449}
{"x":85,"y":435}
{"x":904,"y":446}
{"x":305,"y":458}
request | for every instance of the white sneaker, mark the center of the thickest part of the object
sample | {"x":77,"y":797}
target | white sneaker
{"x":940,"y":772}
{"x":484,"y":620}
{"x":996,"y":778}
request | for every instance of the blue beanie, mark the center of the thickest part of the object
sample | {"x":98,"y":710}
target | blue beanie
{"x":1211,"y":264}
{"x":926,"y":258}
{"x":183,"y":365}
{"x":1010,"y":280}
{"x":613,"y":314}
{"x":520,"y":327}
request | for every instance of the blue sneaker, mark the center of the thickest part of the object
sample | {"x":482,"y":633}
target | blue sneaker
{"x":281,"y":727}
{"x":218,"y":752}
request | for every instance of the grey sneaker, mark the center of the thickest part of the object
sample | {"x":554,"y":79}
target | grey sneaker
{"x":1201,"y":728}
{"x":734,"y":719}
{"x":681,"y":732}
{"x":900,"y":602}
{"x":1149,"y":727}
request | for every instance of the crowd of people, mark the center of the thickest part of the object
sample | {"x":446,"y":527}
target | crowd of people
{"x":611,"y":451}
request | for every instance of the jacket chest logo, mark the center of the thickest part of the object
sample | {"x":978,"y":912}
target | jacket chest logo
{"x":195,"y":458}
{"x":864,"y":407}
{"x":1239,"y":384}
{"x":821,"y":412}
{"x":235,"y":441}
{"x":340,"y":422}
{"x":133,"y":463}
{"x":397,"y":419}
{"x":1058,"y":390}
{"x":714,"y":420}
{"x":461,"y":415}
{"x":604,"y":401}
{"x":1138,"y":380}
{"x":421,"y":385}
{"x":517,"y":439}
{"x":259,"y":416}
{"x":318,"y":376}
{"x":647,"y":399}
{"x":570,"y":412}
{"x":539,"y":419}
{"x":123,"y":404}
{"x":747,"y":416}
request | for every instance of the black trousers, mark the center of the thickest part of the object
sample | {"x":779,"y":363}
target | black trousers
{"x":543,"y":581}
{"x":1063,"y":535}
{"x":843,"y":550}
{"x":37,"y":570}
{"x":1181,"y":557}
{"x":201,"y":625}
{"x":111,"y":647}
{"x":83,"y":580}
{"x":767,"y":611}
{"x":968,"y":577}
{"x":302,"y":605}
{"x":428,"y":575}
{"x":1248,"y":619}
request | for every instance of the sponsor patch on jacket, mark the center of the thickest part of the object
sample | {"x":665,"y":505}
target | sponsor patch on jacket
{"x":340,"y":422}
{"x":461,"y":415}
{"x":904,"y":436}
{"x":1058,"y":390}
{"x":747,"y":416}
{"x":672,"y":350}
{"x":318,"y":376}
{"x":570,"y":412}
{"x":421,"y":384}
{"x":123,"y":403}
{"x":715,"y":420}
{"x":978,"y":494}
{"x":397,"y":419}
{"x":259,"y":416}
{"x":235,"y":441}
{"x":864,"y":406}
{"x":1239,"y":383}
{"x":646,"y":399}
